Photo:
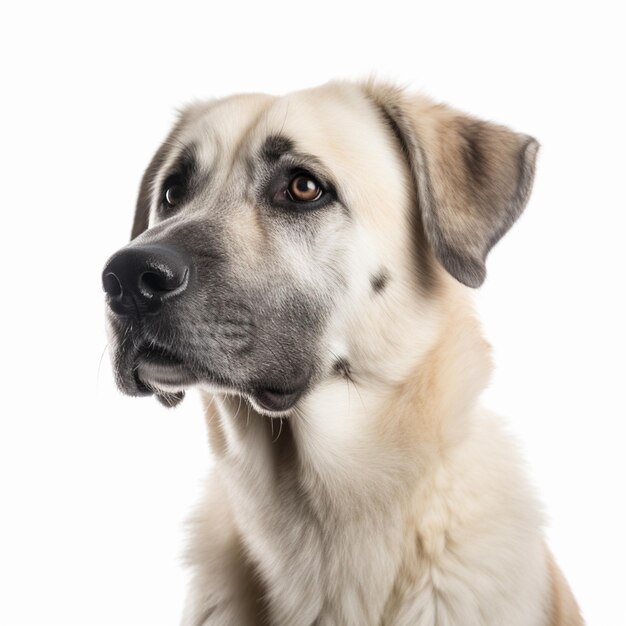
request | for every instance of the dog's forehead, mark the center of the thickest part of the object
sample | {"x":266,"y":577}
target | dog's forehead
{"x":221,"y":125}
{"x":329,"y":121}
{"x":336,"y":123}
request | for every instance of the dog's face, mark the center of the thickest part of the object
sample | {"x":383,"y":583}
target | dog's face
{"x":277,"y":241}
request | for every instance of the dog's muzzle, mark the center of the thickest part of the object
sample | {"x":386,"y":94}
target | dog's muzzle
{"x":163,"y":345}
{"x":138,"y":279}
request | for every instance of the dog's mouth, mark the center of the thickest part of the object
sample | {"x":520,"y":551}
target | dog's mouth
{"x":163,"y":369}
{"x":156,"y":370}
{"x":276,"y":401}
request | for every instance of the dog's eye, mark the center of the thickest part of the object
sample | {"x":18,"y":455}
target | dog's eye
{"x":304,"y":188}
{"x":173,"y":195}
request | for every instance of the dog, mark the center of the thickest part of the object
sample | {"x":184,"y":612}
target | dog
{"x":307,"y":263}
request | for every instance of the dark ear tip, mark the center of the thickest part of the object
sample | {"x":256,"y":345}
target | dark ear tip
{"x":471,"y":272}
{"x":472,"y":279}
{"x":474,"y":283}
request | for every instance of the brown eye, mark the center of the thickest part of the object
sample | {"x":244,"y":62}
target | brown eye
{"x":304,"y":188}
{"x":173,"y":195}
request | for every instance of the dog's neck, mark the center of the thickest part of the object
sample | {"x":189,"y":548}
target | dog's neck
{"x":310,"y":494}
{"x":352,"y":434}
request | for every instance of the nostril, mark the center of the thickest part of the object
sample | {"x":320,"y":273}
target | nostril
{"x":163,"y":282}
{"x":139,"y":278}
{"x":111,"y":285}
{"x":152,"y":282}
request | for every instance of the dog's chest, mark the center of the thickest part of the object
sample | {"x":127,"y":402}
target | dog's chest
{"x":442,"y":561}
{"x":317,"y":566}
{"x":367,"y":570}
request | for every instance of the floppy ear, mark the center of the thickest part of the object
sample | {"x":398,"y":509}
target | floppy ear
{"x":473,"y":178}
{"x":142,"y":207}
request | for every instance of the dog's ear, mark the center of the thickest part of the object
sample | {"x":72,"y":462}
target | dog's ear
{"x":146,"y":188}
{"x":473,"y":178}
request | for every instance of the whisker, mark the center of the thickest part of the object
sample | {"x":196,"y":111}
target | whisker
{"x":280,"y":430}
{"x":106,"y":347}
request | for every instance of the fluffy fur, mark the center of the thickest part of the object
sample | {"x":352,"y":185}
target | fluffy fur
{"x":415,"y":513}
{"x":386,"y":494}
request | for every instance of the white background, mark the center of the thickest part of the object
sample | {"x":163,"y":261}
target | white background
{"x":94,"y":486}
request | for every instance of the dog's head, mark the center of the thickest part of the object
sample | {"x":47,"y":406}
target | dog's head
{"x":280,"y":241}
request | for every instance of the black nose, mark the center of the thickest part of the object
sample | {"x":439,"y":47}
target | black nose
{"x":138,"y":279}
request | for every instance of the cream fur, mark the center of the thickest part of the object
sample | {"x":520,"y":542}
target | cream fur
{"x":392,"y":498}
{"x":418,"y":513}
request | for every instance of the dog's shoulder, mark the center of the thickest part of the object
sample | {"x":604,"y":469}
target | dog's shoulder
{"x":475,"y":538}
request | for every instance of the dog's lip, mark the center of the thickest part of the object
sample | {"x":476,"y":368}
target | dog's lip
{"x":276,"y":401}
{"x":160,"y":368}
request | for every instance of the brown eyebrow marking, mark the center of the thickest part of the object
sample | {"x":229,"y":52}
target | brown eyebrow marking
{"x":276,"y":146}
